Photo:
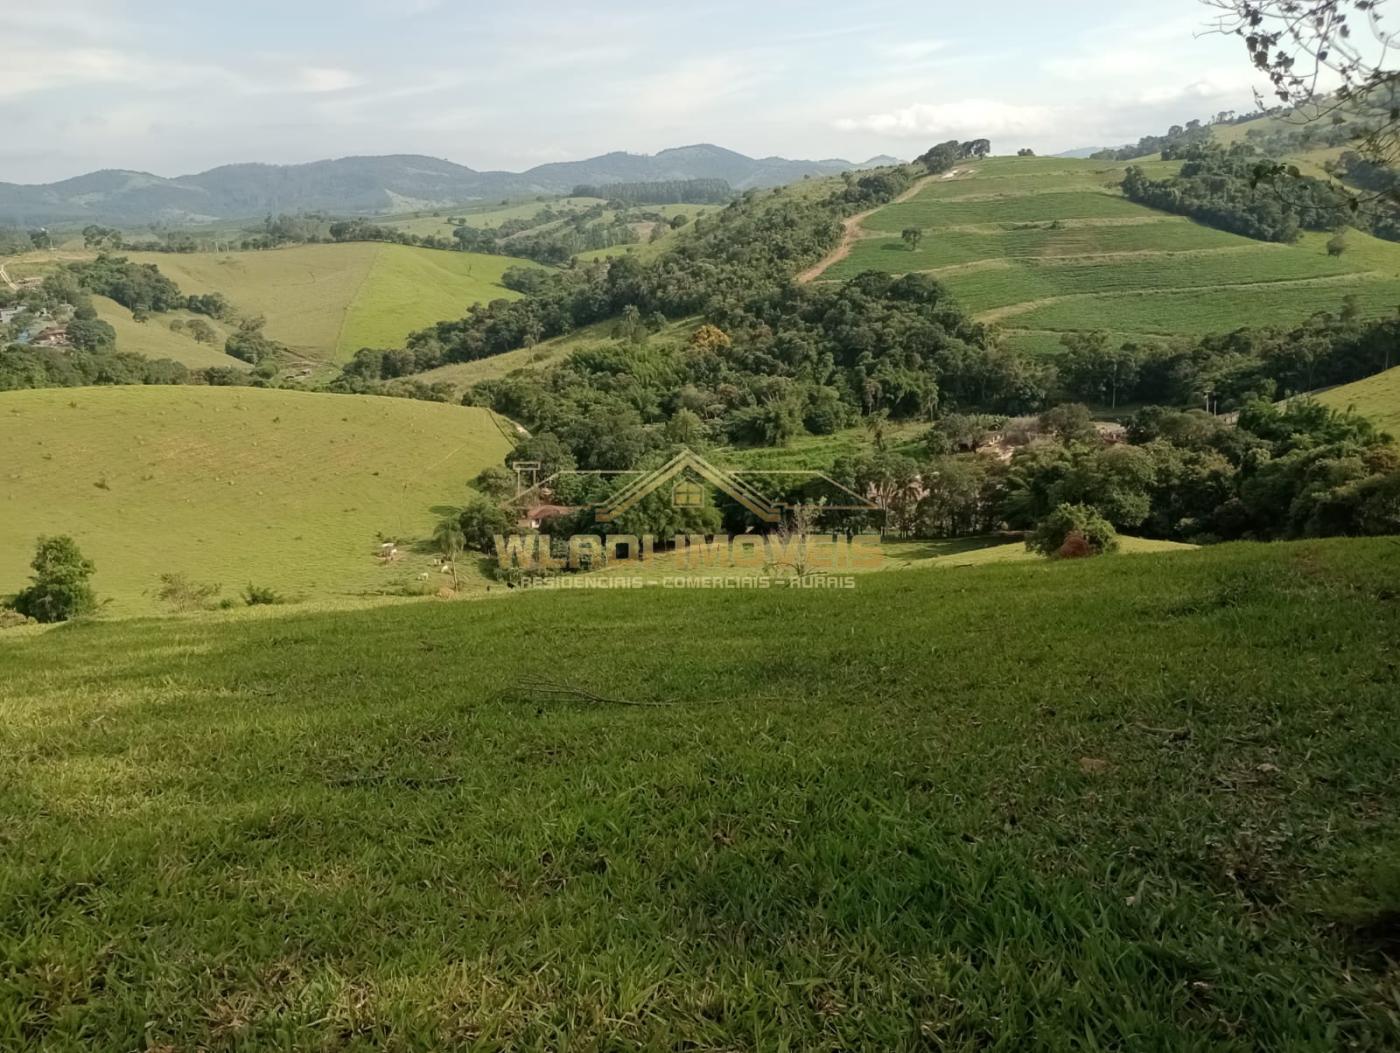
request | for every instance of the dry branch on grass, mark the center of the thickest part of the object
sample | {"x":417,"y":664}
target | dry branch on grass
{"x":542,"y":687}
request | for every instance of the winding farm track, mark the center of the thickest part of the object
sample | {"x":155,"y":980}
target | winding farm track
{"x":6,"y":278}
{"x":851,"y":232}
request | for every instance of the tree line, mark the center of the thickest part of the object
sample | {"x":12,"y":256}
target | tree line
{"x":746,"y":252}
{"x":662,"y":192}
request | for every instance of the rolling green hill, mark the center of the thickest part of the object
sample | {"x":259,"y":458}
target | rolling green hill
{"x":232,"y":485}
{"x":327,"y":301}
{"x":1045,"y":246}
{"x":426,"y":224}
{"x":546,"y":353}
{"x":1121,"y":804}
{"x":1377,"y":397}
{"x":155,"y":339}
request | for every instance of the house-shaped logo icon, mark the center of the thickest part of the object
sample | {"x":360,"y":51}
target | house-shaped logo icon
{"x":687,"y":493}
{"x":687,"y":474}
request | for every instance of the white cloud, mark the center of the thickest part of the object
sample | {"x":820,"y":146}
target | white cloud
{"x":985,"y":117}
{"x":35,"y":69}
{"x":696,"y":86}
{"x":913,"y":50}
{"x":318,"y":79}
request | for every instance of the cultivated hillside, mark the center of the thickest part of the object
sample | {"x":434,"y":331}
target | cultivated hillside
{"x":232,"y":485}
{"x":973,"y":810}
{"x":1045,"y":246}
{"x":366,"y":185}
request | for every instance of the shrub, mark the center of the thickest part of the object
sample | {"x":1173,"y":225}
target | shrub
{"x":481,"y":521}
{"x":1073,"y":531}
{"x":61,"y":588}
{"x":13,"y":619}
{"x":262,"y":596}
{"x":185,"y":595}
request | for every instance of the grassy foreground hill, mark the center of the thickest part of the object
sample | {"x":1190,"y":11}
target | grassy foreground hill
{"x":961,"y":811}
{"x":231,"y":485}
{"x":1045,"y":246}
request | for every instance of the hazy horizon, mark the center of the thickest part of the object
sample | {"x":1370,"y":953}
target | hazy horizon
{"x":166,"y":89}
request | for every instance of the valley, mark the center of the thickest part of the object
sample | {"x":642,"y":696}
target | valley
{"x":691,"y":599}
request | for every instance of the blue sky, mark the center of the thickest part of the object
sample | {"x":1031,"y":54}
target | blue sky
{"x":177,"y":88}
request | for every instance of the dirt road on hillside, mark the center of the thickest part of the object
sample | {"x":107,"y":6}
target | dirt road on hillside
{"x":6,"y":278}
{"x":851,"y":232}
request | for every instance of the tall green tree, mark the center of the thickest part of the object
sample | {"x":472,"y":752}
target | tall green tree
{"x":61,"y":584}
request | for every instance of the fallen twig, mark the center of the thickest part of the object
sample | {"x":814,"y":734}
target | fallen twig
{"x":1170,"y":733}
{"x":411,"y":782}
{"x":551,"y":687}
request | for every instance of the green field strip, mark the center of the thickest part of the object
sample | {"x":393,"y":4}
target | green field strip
{"x":925,"y":212}
{"x":983,"y":289}
{"x":941,"y":248}
{"x":1170,"y":312}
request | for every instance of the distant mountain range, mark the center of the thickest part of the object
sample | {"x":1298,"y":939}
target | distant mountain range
{"x":371,"y":185}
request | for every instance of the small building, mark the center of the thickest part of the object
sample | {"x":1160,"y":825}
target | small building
{"x":535,"y":517}
{"x":53,"y":336}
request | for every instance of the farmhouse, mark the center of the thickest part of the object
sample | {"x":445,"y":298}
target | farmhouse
{"x":53,"y":336}
{"x":535,"y":517}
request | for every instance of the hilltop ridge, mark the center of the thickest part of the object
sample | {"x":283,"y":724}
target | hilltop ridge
{"x":373,"y":184}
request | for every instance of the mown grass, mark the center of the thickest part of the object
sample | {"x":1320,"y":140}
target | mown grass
{"x":976,"y":551}
{"x":233,"y":485}
{"x":894,"y":554}
{"x":962,"y":810}
{"x":1377,"y":397}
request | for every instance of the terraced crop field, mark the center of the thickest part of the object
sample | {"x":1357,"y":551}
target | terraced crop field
{"x":1046,"y":246}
